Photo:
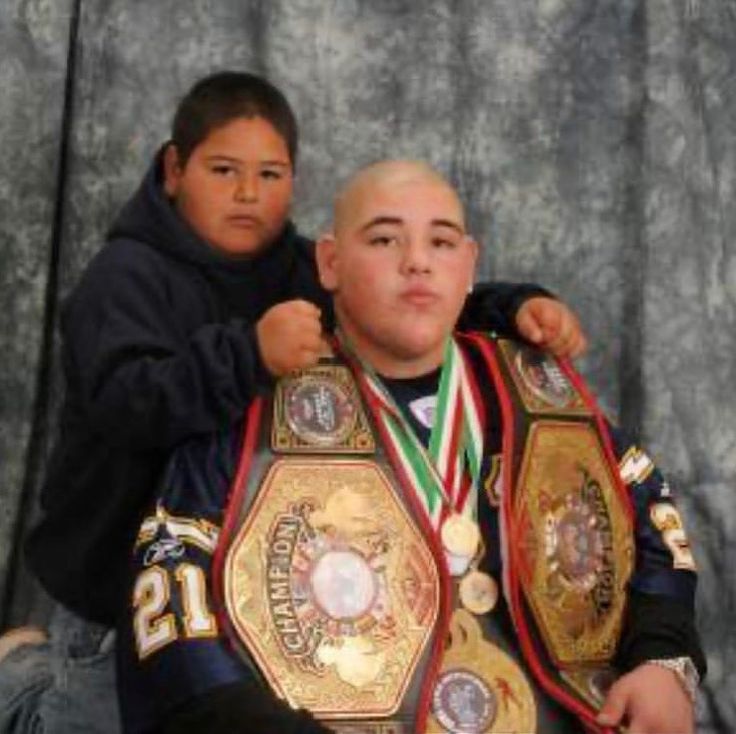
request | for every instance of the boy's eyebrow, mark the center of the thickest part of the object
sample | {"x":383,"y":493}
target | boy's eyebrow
{"x":398,"y":220}
{"x":448,"y":223}
{"x":232,"y":159}
{"x":381,"y":220}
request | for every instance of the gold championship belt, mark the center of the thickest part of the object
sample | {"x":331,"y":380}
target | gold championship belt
{"x":333,"y":591}
{"x":328,"y":582}
{"x":572,"y":530}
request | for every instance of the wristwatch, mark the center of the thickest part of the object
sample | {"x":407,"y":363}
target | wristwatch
{"x":685,"y":670}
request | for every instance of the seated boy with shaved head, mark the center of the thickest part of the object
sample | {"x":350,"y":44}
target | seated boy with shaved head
{"x":428,"y":531}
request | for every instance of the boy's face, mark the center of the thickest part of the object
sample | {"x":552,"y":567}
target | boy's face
{"x":399,"y":265}
{"x":235,"y":189}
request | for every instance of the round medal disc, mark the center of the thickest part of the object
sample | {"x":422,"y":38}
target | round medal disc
{"x":478,"y":592}
{"x":460,"y":535}
{"x":463,"y":702}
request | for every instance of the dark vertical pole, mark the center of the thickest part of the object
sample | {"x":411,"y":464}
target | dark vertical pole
{"x":39,"y":429}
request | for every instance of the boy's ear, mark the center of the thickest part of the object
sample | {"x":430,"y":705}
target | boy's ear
{"x":172,"y":170}
{"x":326,"y":254}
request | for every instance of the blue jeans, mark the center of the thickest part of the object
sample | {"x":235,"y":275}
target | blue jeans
{"x":62,"y":686}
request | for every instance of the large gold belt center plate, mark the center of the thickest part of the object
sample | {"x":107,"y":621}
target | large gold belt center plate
{"x":576,"y":542}
{"x":332,"y":588}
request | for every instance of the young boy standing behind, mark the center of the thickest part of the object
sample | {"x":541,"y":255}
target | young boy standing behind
{"x":161,"y":336}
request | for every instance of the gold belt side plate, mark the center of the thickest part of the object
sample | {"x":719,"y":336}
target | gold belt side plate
{"x":319,"y":410}
{"x":576,"y":542}
{"x":540,"y":382}
{"x":332,"y":588}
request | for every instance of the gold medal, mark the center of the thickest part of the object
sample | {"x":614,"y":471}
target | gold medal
{"x":480,"y":688}
{"x":478,"y":592}
{"x":460,"y":535}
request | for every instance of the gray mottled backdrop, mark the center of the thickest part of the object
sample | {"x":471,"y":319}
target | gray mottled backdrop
{"x":593,"y":142}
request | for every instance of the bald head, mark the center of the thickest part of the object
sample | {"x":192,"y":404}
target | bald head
{"x":369,"y":181}
{"x":399,"y":264}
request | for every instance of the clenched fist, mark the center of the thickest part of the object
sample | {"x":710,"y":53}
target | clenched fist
{"x":289,"y":337}
{"x":550,"y":325}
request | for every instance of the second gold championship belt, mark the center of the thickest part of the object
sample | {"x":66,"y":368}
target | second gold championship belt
{"x":328,"y":582}
{"x":569,"y":522}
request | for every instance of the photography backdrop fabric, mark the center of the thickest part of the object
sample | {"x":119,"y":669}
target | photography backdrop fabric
{"x":594,"y":143}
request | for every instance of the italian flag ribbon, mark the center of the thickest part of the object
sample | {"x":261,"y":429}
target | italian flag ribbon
{"x":444,"y":476}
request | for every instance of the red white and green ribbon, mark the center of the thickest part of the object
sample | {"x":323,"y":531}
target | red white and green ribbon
{"x":444,"y":476}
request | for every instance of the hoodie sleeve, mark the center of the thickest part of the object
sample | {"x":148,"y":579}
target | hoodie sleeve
{"x":660,"y":615}
{"x":148,"y":363}
{"x":493,"y":306}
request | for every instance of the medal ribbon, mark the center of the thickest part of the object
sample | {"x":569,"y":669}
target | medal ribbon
{"x":438,"y":472}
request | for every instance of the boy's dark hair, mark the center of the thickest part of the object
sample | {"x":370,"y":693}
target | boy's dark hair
{"x":217,"y":99}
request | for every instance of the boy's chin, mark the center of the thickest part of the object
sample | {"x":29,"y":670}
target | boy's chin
{"x":418,"y":339}
{"x":419,"y":345}
{"x":241,"y":249}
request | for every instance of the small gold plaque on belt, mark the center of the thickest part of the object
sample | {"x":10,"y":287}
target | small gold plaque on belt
{"x":540,"y":382}
{"x":319,"y":410}
{"x":332,"y":588}
{"x":576,"y":541}
{"x":480,"y":689}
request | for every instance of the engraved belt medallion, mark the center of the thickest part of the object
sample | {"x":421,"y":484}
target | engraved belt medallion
{"x":332,"y":588}
{"x":542,"y":385}
{"x":318,"y":410}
